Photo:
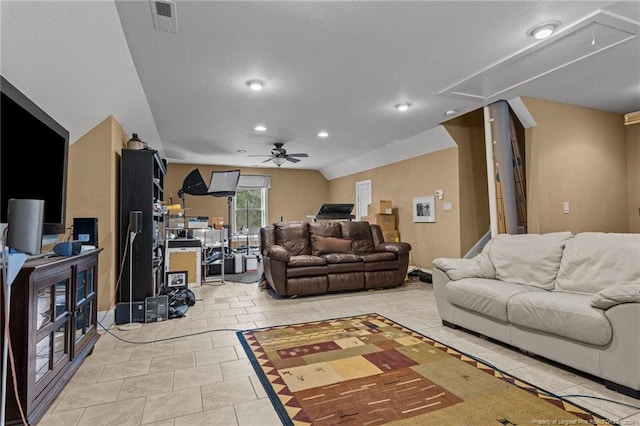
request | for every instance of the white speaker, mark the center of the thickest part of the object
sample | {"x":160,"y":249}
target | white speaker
{"x":24,"y":223}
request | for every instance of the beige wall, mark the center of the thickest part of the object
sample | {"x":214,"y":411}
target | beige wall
{"x":468,"y":133}
{"x":400,"y":182}
{"x":92,"y":191}
{"x":294,"y":193}
{"x":577,"y":155}
{"x":632,"y":140}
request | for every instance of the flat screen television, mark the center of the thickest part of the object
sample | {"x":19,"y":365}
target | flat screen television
{"x":33,"y":157}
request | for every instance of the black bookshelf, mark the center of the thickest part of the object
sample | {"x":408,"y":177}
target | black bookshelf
{"x":142,"y":174}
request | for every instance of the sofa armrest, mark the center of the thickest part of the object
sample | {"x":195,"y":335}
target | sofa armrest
{"x":612,"y":296}
{"x":456,"y":269}
{"x":276,"y":252}
{"x":397,"y":248}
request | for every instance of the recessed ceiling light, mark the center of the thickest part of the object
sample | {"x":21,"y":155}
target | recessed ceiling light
{"x":451,"y":112}
{"x":241,"y":150}
{"x":543,"y":30}
{"x":323,"y":134}
{"x":260,"y":128}
{"x":256,"y":84}
{"x":402,"y":107}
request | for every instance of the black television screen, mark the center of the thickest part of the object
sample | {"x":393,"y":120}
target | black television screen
{"x":33,"y":157}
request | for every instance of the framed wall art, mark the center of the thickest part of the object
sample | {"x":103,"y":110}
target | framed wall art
{"x":424,"y":209}
{"x":177,"y":279}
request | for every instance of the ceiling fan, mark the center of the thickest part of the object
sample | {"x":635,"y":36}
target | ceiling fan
{"x":279,"y":155}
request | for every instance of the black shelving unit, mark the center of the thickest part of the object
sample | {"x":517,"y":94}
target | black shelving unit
{"x":141,"y":181}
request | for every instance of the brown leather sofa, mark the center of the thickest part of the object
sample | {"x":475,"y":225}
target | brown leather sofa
{"x":304,"y":258}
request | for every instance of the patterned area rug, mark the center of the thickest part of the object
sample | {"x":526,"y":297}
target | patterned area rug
{"x":368,"y":370}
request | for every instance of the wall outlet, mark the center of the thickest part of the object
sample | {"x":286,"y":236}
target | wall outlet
{"x":565,"y":207}
{"x":439,"y":194}
{"x":447,"y":206}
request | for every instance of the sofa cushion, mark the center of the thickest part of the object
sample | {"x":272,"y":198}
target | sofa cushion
{"x":486,"y":296}
{"x":324,"y":245}
{"x":294,"y":237}
{"x":360,"y":234}
{"x":341,"y":258}
{"x":323,"y":229}
{"x":593,"y":261}
{"x":568,"y":315}
{"x":305,"y":260}
{"x":530,"y":259}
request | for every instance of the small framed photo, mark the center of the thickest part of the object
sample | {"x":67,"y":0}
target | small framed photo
{"x":177,"y":279}
{"x":424,"y":209}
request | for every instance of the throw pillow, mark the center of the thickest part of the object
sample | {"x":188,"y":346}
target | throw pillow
{"x":326,"y":245}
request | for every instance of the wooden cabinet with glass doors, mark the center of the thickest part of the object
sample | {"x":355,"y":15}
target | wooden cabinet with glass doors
{"x":53,"y":327}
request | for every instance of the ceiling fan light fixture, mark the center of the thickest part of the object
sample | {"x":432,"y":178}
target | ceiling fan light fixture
{"x":323,"y":134}
{"x":260,"y":128}
{"x":543,"y":30}
{"x":279,"y":161}
{"x":403,"y":106}
{"x":256,"y":84}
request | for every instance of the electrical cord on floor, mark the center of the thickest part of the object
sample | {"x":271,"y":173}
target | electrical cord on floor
{"x":146,"y":342}
{"x":505,"y":374}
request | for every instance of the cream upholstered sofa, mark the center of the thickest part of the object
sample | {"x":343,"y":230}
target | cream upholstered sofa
{"x":574,"y":299}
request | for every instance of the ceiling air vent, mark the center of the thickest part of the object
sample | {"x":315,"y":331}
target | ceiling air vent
{"x":164,"y":15}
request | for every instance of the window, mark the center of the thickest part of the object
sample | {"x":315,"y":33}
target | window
{"x":250,"y":203}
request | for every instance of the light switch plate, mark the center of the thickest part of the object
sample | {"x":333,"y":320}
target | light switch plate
{"x":447,"y":206}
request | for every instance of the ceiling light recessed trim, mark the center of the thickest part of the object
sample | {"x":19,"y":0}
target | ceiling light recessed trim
{"x":323,"y":134}
{"x":451,"y":112}
{"x":256,"y":84}
{"x":241,"y":150}
{"x":543,"y":30}
{"x":402,"y":106}
{"x":260,"y":128}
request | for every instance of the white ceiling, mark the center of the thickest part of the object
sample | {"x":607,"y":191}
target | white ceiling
{"x":335,"y":66}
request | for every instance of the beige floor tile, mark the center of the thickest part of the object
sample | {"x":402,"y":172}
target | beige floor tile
{"x":165,"y":422}
{"x":65,"y":418}
{"x":152,"y":350}
{"x":215,"y":356}
{"x":235,"y":369}
{"x":200,"y":342}
{"x":223,"y":341}
{"x":121,"y":413}
{"x":87,"y":373}
{"x":150,"y":384}
{"x":256,"y":413}
{"x":83,"y":396}
{"x":225,"y":416}
{"x":172,"y":362}
{"x":123,"y":370}
{"x":197,"y":376}
{"x":172,"y":404}
{"x":227,"y":393}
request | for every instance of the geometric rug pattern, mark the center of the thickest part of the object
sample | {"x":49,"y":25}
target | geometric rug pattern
{"x":369,"y":370}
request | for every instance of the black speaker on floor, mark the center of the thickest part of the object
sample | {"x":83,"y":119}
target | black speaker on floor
{"x":24,"y":222}
{"x":85,"y":230}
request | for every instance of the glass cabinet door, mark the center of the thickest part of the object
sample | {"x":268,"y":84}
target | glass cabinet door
{"x":52,"y":329}
{"x":85,"y":303}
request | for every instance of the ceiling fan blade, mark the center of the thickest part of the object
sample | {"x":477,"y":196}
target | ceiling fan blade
{"x":298,"y":155}
{"x":258,"y":155}
{"x":293,"y":160}
{"x":268,"y":159}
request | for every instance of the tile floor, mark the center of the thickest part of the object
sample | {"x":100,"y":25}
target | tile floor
{"x":206,"y":378}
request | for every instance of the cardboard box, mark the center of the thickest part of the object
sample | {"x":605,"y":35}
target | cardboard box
{"x":392,"y":236}
{"x":387,"y":222}
{"x":380,"y":207}
{"x":216,"y":221}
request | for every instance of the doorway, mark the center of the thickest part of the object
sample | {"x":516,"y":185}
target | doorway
{"x":363,"y":197}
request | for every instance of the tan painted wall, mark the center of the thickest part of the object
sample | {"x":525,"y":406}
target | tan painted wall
{"x":92,"y":191}
{"x":404,"y":180}
{"x":578,"y":155}
{"x":294,"y":194}
{"x":468,"y":133}
{"x":632,"y":140}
